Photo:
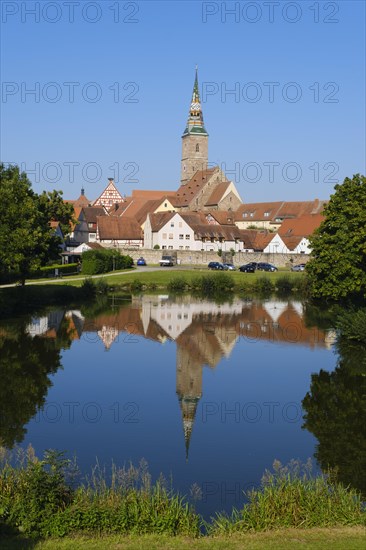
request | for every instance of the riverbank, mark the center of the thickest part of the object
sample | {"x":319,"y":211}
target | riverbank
{"x":162,"y":277}
{"x":337,"y":538}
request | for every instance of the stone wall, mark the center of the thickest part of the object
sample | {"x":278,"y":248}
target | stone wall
{"x":195,"y":258}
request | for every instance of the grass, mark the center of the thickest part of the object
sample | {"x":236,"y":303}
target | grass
{"x":39,"y":500}
{"x":290,"y":496}
{"x":338,"y":538}
{"x":165,"y":278}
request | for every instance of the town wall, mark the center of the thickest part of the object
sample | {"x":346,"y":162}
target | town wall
{"x":197,"y":258}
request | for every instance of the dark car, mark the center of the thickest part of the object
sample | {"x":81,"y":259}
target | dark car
{"x":248,"y":268}
{"x":298,"y":267}
{"x":229,"y":267}
{"x":141,"y":261}
{"x":263,"y":266}
{"x":215,"y":265}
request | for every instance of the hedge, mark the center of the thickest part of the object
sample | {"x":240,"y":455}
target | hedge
{"x":102,"y":261}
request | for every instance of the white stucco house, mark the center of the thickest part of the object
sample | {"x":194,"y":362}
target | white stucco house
{"x":179,"y":231}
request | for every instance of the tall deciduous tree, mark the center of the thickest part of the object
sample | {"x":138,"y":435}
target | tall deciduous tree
{"x":26,"y":238}
{"x":338,"y":267}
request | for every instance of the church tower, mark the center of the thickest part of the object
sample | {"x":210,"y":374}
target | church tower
{"x":194,"y":139}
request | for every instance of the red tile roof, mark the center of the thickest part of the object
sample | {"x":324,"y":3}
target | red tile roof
{"x":303,"y":226}
{"x":151,"y":195}
{"x":222,"y":217}
{"x":113,"y":228}
{"x":217,"y":193}
{"x":159,"y":219}
{"x":189,"y":190}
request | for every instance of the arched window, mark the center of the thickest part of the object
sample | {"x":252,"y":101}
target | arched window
{"x":197,"y":148}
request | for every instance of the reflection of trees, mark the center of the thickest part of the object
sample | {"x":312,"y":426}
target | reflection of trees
{"x":25,"y":366}
{"x":336,"y":414}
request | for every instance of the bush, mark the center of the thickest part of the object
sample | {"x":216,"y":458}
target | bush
{"x":284,"y":285}
{"x":156,"y":247}
{"x":88,"y":288}
{"x":103,"y":261}
{"x":37,"y":498}
{"x":136,"y":285}
{"x":352,"y":325}
{"x":213,"y":283}
{"x":263,"y":285}
{"x":290,"y":497}
{"x":178,"y":284}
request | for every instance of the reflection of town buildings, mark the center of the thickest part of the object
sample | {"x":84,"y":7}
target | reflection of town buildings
{"x":204,"y":333}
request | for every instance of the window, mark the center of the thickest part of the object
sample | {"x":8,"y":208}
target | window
{"x":188,"y":247}
{"x":172,"y":224}
{"x":170,"y":247}
{"x":92,"y":237}
{"x":165,"y":205}
{"x":170,"y":235}
{"x":266,"y":214}
{"x":90,"y":225}
{"x":181,"y":248}
{"x":197,"y":148}
{"x":163,"y":247}
{"x":245,"y":214}
{"x":181,"y":236}
{"x":251,"y":214}
{"x":188,"y":237}
{"x":164,"y":235}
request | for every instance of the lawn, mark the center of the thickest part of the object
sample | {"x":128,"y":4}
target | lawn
{"x":161,"y":278}
{"x":337,"y":538}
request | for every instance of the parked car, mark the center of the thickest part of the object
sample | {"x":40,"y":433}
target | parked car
{"x":229,"y":267}
{"x":298,"y":267}
{"x":215,"y":265}
{"x":263,"y":266}
{"x":141,"y":261}
{"x":167,"y":261}
{"x":248,"y":268}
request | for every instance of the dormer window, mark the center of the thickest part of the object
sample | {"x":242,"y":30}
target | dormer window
{"x":266,"y":214}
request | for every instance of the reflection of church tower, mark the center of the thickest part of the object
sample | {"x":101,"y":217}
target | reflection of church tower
{"x":194,"y":139}
{"x":189,"y":390}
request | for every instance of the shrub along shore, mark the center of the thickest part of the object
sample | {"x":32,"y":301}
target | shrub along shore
{"x":40,"y":499}
{"x":73,"y":290}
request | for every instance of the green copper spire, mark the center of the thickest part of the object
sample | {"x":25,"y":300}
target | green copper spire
{"x":195,"y":124}
{"x":196,"y":92}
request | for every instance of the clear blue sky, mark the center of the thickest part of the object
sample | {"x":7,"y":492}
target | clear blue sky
{"x":151,"y":49}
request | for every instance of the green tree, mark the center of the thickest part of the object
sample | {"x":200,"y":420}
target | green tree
{"x":335,"y":412}
{"x":337,"y":269}
{"x":26,"y":238}
{"x":26,"y":364}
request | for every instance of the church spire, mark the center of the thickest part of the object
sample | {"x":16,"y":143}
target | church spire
{"x":195,"y":124}
{"x":194,"y":139}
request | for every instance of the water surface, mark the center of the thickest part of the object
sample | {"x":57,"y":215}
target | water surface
{"x":210,"y":394}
